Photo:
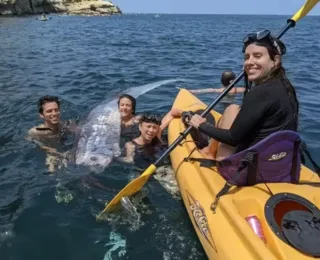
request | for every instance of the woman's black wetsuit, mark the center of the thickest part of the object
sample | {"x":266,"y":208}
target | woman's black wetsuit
{"x":128,"y":133}
{"x":265,"y":110}
{"x":146,"y":154}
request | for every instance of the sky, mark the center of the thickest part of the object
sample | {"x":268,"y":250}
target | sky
{"x":278,"y":7}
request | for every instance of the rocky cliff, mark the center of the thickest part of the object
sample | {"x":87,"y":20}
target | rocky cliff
{"x":77,"y":7}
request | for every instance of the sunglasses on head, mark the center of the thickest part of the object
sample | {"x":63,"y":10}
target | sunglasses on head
{"x":264,"y":35}
{"x":151,"y":119}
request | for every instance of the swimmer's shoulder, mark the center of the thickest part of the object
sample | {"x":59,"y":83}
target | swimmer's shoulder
{"x":38,"y":131}
{"x":37,"y":136}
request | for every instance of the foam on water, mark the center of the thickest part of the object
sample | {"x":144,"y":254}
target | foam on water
{"x":117,"y":246}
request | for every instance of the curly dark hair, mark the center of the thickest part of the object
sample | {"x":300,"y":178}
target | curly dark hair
{"x":47,"y":99}
{"x":150,"y":118}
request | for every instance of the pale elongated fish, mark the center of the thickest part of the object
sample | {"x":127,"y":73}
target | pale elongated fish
{"x":99,"y":137}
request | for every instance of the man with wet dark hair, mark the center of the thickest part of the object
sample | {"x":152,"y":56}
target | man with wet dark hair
{"x":47,"y":99}
{"x":53,"y":131}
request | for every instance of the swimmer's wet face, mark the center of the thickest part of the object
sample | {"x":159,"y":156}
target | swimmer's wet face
{"x":148,"y":130}
{"x":50,"y":113}
{"x":49,"y":110}
{"x":149,"y":126}
{"x":125,"y":108}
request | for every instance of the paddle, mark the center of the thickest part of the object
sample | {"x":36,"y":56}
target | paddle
{"x":135,"y":185}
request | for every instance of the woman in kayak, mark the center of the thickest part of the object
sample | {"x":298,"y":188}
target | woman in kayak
{"x":227,"y":78}
{"x":269,"y":107}
{"x":144,"y":149}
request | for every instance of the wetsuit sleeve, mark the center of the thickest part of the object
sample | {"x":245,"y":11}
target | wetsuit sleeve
{"x":252,"y":111}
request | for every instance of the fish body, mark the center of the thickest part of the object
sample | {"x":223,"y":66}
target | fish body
{"x":99,"y":137}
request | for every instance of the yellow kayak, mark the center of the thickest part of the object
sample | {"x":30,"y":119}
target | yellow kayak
{"x":228,"y":233}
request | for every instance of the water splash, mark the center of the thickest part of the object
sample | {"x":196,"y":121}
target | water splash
{"x":127,"y":217}
{"x":117,"y":244}
{"x":165,"y":176}
{"x":63,"y":194}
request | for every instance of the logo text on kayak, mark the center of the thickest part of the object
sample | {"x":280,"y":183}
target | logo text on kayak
{"x":200,"y":218}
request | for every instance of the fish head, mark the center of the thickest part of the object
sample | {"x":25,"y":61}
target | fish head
{"x":98,"y":162}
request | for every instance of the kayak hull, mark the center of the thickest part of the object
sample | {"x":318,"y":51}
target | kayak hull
{"x":225,"y":233}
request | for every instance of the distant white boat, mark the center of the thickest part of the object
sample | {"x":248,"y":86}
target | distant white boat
{"x":43,"y":18}
{"x":157,"y":15}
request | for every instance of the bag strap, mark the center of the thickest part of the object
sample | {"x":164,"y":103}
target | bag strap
{"x":251,"y":157}
{"x":208,"y":163}
{"x":248,"y":160}
{"x":304,"y":149}
{"x":252,"y":165}
{"x":227,"y":187}
{"x":203,"y":162}
{"x":294,"y":160}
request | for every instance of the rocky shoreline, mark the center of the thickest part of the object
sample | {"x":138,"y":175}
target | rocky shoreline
{"x":67,"y":7}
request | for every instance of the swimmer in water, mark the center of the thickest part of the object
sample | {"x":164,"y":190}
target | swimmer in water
{"x":227,"y":78}
{"x":151,"y":127}
{"x":129,"y":119}
{"x":52,"y":131}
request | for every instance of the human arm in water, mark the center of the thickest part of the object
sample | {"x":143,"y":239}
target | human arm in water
{"x":173,"y":113}
{"x":234,"y":90}
{"x":54,"y":159}
{"x":217,"y":90}
{"x":129,"y":149}
{"x":72,"y":125}
{"x":206,"y":90}
{"x":36,"y":136}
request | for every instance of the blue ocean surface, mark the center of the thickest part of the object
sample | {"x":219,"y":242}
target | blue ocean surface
{"x":86,"y":60}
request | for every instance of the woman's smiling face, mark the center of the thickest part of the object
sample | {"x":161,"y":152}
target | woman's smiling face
{"x":125,"y":108}
{"x":257,"y":63}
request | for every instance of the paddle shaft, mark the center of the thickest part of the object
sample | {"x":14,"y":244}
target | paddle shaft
{"x":290,"y":24}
